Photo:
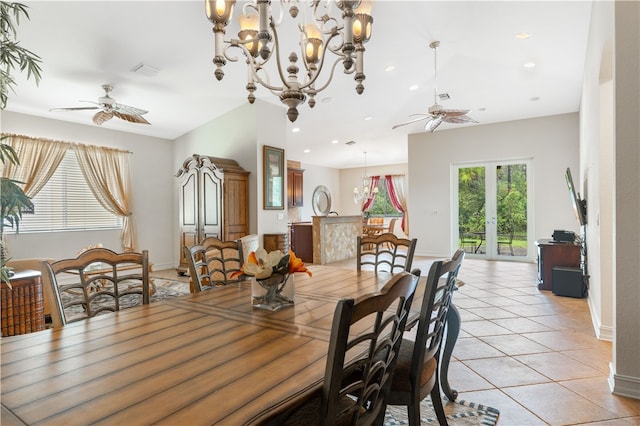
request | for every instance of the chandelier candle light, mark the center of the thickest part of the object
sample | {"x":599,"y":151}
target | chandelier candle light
{"x":364,"y":192}
{"x":318,"y":31}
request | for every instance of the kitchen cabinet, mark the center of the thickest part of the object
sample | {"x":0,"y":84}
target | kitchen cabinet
{"x":295,"y":187}
{"x":302,"y":241}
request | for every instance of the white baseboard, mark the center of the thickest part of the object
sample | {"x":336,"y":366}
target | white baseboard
{"x":163,"y":266}
{"x":624,"y":385}
{"x":603,"y":332}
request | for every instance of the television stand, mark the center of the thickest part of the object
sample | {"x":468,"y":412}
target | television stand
{"x":551,"y":254}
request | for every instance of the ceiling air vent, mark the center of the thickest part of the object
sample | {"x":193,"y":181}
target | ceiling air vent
{"x":350,"y":143}
{"x":444,"y":96}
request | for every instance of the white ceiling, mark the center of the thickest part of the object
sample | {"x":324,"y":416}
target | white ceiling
{"x":84,"y":44}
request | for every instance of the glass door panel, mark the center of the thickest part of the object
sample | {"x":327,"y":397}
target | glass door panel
{"x":491,"y":218}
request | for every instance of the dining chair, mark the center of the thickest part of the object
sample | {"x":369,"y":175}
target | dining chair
{"x":385,"y":252}
{"x":506,"y":240}
{"x":359,"y":364}
{"x":98,"y":280}
{"x":417,"y":374}
{"x":198,"y":268}
{"x":224,"y":258}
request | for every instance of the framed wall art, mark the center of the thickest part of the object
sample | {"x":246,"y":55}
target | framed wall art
{"x":273,"y":179}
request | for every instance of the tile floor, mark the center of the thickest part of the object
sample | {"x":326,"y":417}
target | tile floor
{"x":529,"y":353}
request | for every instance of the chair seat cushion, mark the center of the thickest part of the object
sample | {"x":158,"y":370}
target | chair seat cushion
{"x":401,"y":379}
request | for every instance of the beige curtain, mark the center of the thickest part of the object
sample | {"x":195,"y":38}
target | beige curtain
{"x":39,"y":159}
{"x":107,"y":173}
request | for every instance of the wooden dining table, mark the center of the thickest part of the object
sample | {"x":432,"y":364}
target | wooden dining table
{"x":205,"y":358}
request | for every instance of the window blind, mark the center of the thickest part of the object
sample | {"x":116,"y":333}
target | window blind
{"x":67,"y":204}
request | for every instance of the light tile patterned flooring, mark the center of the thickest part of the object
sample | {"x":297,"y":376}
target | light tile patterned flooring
{"x":527,"y":352}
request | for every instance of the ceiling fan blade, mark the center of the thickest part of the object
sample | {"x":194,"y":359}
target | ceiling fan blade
{"x":126,"y":109}
{"x":433,"y":124}
{"x":415,"y":120}
{"x":454,"y":112}
{"x":101,"y":116}
{"x":74,"y":108}
{"x":131,"y":118}
{"x":459,"y":120}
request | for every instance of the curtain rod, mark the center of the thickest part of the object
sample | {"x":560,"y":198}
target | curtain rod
{"x":61,"y":141}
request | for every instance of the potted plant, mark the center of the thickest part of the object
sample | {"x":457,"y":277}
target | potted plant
{"x":13,"y":200}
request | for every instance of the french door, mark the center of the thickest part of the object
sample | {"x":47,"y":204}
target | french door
{"x":492,"y":209}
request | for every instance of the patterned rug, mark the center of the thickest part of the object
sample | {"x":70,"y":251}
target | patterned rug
{"x":459,"y":413}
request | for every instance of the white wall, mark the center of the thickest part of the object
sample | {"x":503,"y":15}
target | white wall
{"x":552,"y":144}
{"x":315,"y":176}
{"x":152,"y":184}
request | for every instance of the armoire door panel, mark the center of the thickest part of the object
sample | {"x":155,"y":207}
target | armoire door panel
{"x":189,"y":188}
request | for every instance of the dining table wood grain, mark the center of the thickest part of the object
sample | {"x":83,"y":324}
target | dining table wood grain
{"x":205,"y":358}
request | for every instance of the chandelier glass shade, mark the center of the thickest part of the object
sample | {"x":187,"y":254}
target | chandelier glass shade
{"x":364,"y":192}
{"x":338,"y":27}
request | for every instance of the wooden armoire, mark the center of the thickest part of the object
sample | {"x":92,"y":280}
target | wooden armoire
{"x":213,"y":201}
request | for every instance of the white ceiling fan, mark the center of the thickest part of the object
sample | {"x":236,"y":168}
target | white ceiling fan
{"x":436,"y":114}
{"x":109,"y":109}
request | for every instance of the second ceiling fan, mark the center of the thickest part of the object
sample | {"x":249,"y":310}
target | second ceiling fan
{"x":436,"y":113}
{"x":108,"y":108}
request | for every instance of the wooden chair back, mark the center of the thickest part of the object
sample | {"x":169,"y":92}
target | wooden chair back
{"x":98,"y":280}
{"x":385,"y":252}
{"x":360,"y":363}
{"x":417,"y":371}
{"x":224,"y":258}
{"x":198,"y":268}
{"x":212,"y":262}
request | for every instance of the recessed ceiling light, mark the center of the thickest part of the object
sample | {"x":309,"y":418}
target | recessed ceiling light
{"x":389,"y":68}
{"x":529,"y":65}
{"x":335,"y":141}
{"x":367,"y":118}
{"x":414,"y":87}
{"x":295,"y":129}
{"x":306,"y":151}
{"x":523,"y":36}
{"x":327,"y":99}
{"x":482,"y":109}
{"x":534,"y":98}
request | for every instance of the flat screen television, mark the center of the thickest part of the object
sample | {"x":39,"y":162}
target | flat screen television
{"x":579,"y":205}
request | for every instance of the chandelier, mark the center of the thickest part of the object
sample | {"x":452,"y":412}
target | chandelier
{"x":319,"y":32}
{"x":364,"y":192}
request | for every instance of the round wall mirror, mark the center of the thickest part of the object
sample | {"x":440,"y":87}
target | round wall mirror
{"x":321,"y":201}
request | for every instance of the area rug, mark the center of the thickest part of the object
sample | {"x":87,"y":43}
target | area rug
{"x":459,"y":413}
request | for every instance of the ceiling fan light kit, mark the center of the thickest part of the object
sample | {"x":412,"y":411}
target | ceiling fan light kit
{"x":109,"y":108}
{"x":436,"y":114}
{"x":321,"y":29}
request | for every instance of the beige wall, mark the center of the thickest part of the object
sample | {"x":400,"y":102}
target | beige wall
{"x":550,"y":142}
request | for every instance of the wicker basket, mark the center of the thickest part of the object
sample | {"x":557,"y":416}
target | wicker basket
{"x":22,"y":307}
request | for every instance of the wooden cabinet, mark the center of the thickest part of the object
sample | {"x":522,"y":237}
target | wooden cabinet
{"x":295,"y":179}
{"x":273,"y":242}
{"x":302,"y":241}
{"x":552,"y":254}
{"x":213,"y":201}
{"x":22,"y":305}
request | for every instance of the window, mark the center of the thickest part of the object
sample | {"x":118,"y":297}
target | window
{"x":381,"y":204}
{"x":67,"y":204}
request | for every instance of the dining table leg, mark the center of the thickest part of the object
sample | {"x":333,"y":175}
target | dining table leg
{"x":453,"y":330}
